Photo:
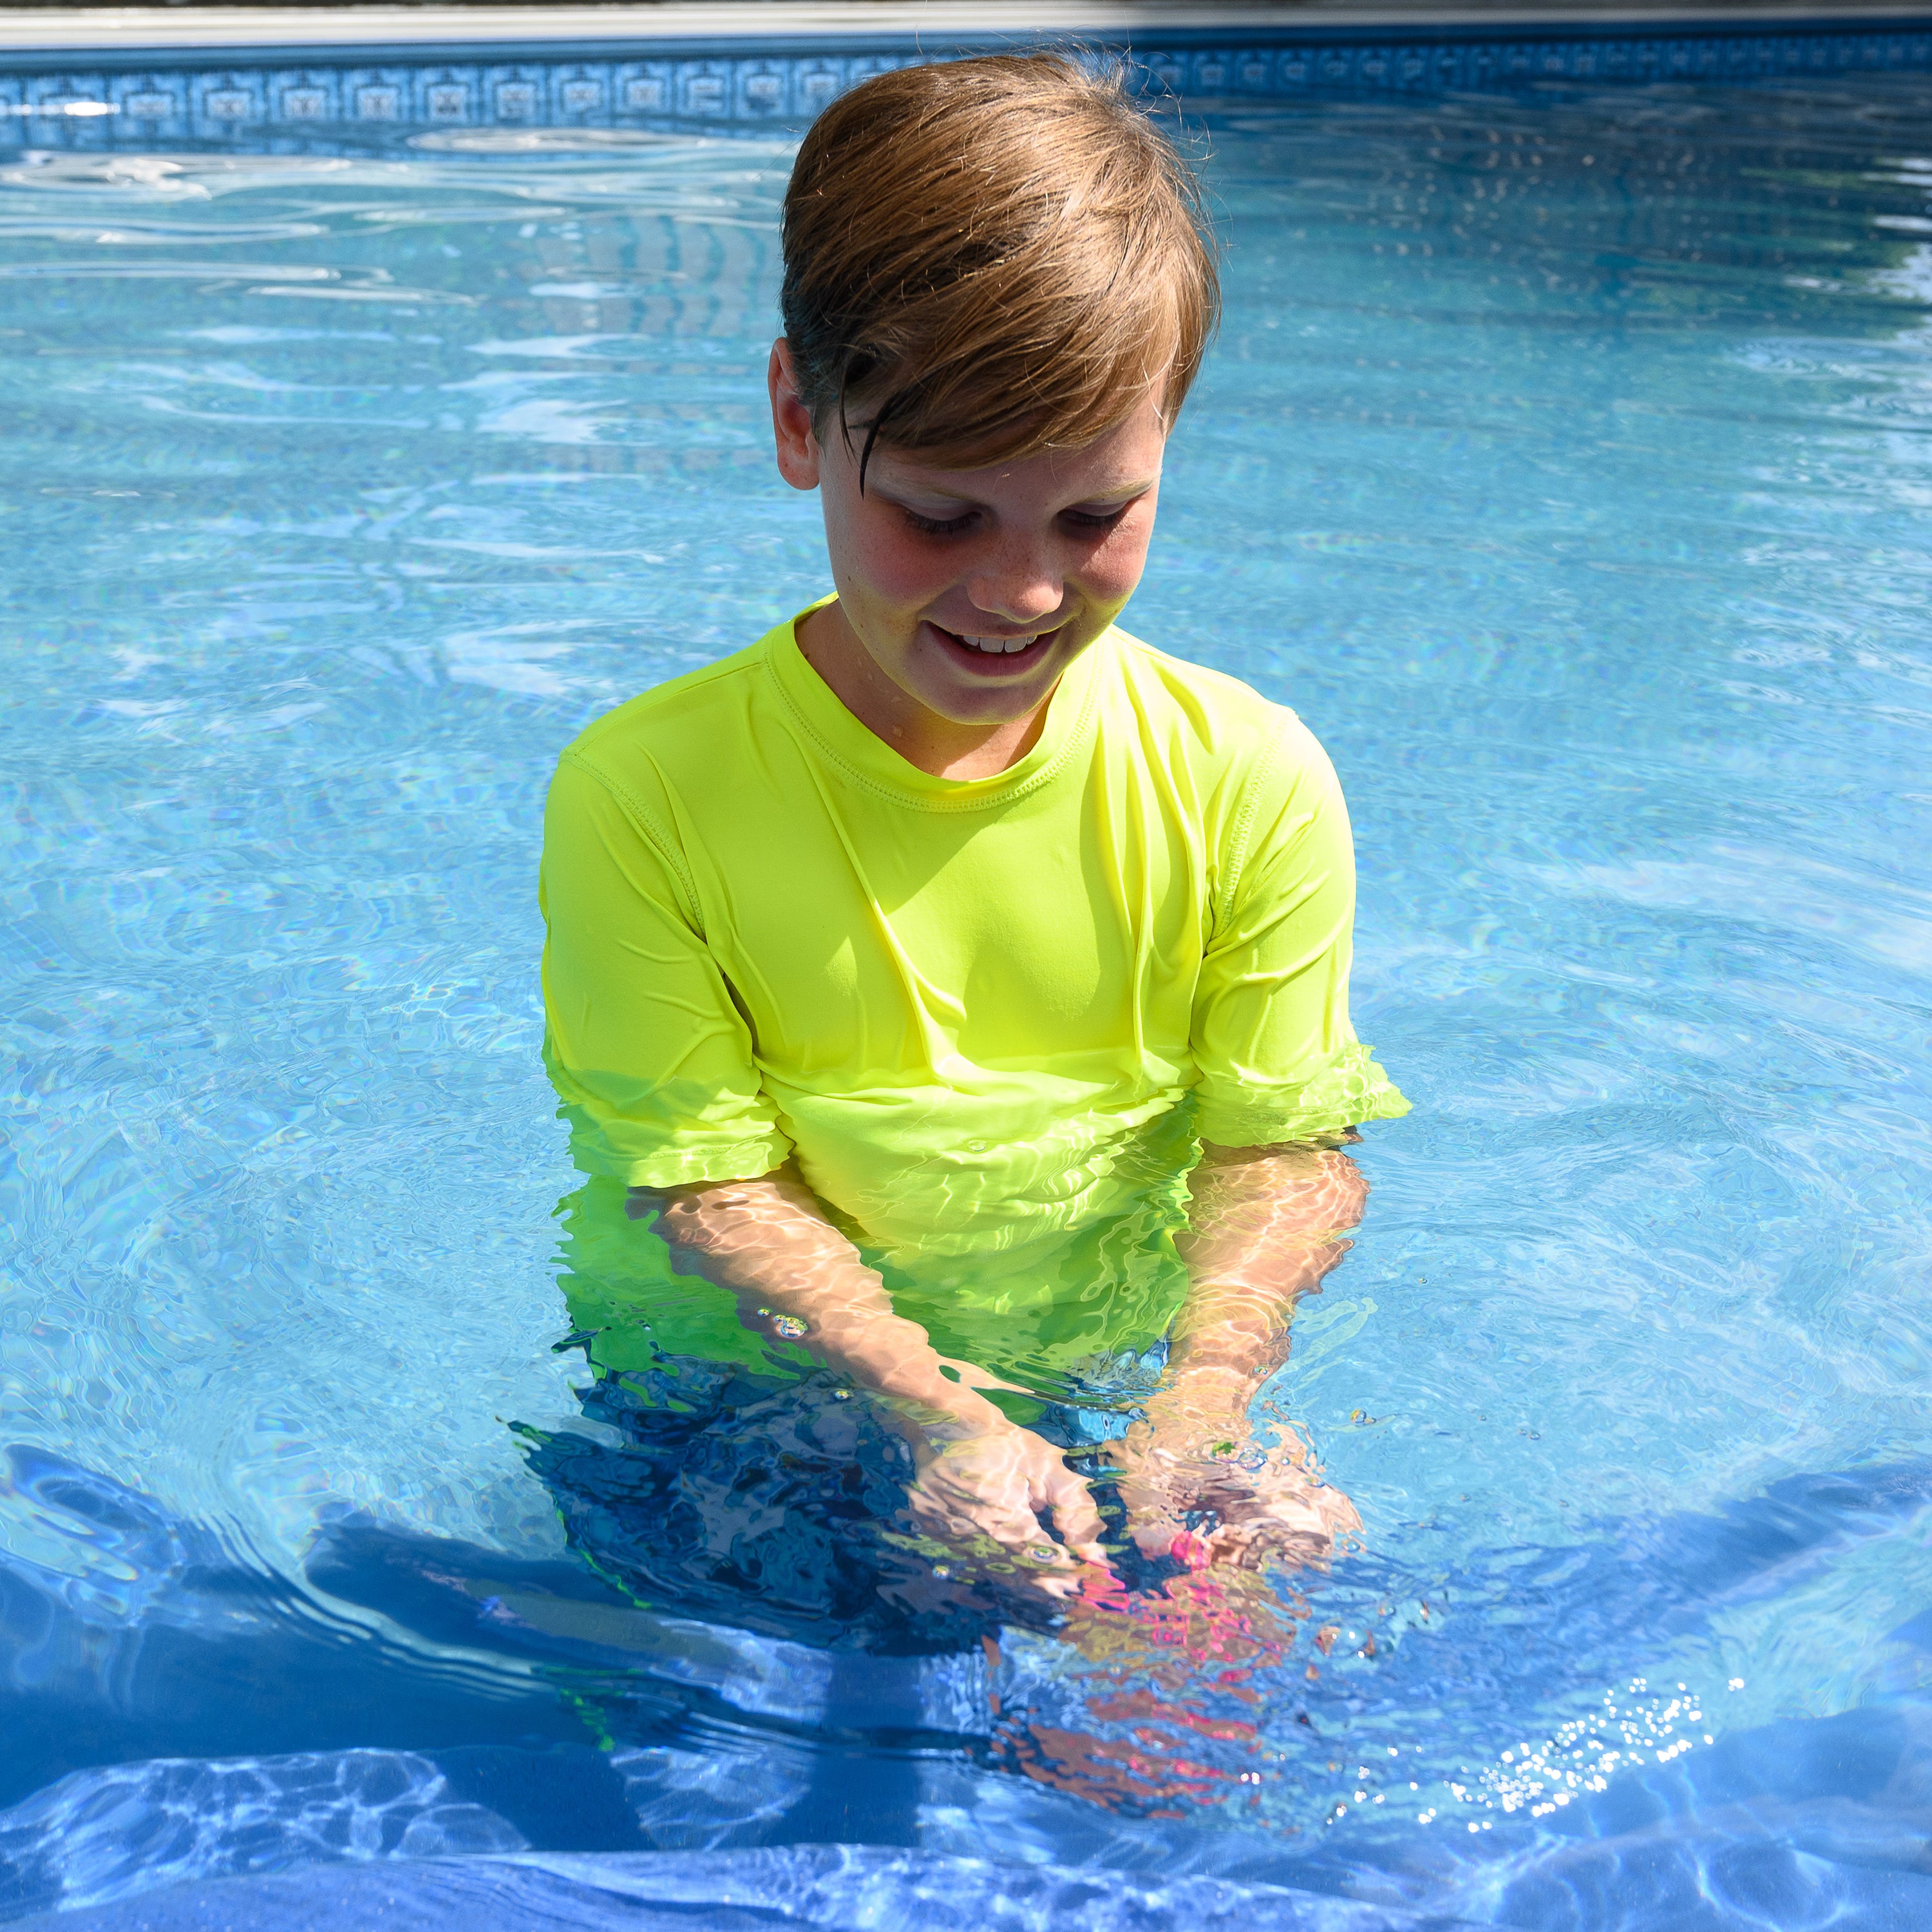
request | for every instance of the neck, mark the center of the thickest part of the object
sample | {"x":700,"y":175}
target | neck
{"x":942,"y":746}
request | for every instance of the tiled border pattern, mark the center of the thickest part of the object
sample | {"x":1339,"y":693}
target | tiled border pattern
{"x":1445,"y":65}
{"x":271,"y":103}
{"x":729,"y":94}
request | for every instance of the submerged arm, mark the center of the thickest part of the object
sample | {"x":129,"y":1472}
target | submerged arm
{"x":767,"y":1242}
{"x":980,"y":1475}
{"x":1266,"y":1225}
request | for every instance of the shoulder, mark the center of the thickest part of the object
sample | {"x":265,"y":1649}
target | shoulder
{"x":680,"y":741}
{"x":1224,"y":730}
{"x":663,"y":719}
{"x":628,"y":775}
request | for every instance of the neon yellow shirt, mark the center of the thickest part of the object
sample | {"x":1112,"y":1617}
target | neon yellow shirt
{"x":955,"y":1002}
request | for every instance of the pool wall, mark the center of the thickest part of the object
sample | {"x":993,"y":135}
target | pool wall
{"x":291,"y":97}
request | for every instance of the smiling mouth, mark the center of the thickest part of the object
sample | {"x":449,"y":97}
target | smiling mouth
{"x":999,"y":647}
{"x":1004,"y":652}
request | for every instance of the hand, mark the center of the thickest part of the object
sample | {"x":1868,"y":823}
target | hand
{"x":1194,"y":1455}
{"x":979,"y":1487}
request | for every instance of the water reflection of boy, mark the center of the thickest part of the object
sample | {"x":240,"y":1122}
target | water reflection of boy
{"x":902,"y":924}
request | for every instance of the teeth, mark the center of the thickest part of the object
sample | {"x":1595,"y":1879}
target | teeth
{"x":1000,"y":646}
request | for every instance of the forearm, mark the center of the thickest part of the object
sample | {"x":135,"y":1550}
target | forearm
{"x":768,"y":1242}
{"x":982,"y":1481}
{"x":1266,"y":1225}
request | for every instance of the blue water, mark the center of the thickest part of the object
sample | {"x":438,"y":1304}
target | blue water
{"x":1565,"y":462}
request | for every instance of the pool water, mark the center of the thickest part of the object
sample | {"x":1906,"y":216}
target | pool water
{"x":1566,"y":461}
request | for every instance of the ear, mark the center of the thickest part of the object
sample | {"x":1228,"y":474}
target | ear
{"x":791,"y":422}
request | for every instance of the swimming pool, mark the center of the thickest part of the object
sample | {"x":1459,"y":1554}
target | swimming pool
{"x":1564,"y":462}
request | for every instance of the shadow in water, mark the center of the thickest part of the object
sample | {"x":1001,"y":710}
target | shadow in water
{"x":250,"y":1724}
{"x":189,"y":1649}
{"x":776,"y":1505}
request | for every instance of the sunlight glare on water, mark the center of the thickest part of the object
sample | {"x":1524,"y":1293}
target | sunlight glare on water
{"x":1564,"y":463}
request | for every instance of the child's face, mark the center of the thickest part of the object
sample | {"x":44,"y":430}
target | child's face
{"x":936,"y":568}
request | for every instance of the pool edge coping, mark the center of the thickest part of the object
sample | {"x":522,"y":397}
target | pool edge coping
{"x":848,"y":25}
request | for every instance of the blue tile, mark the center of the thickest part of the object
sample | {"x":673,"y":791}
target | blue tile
{"x":761,"y":90}
{"x":703,"y":89}
{"x":580,"y":93}
{"x":375,"y":94}
{"x":511,"y":94}
{"x":54,"y":90}
{"x":1412,"y":69}
{"x":156,"y":103}
{"x":1210,"y":74}
{"x":1337,"y":66}
{"x":442,"y":97}
{"x":642,"y":87}
{"x":815,"y":81}
{"x":1253,"y":70}
{"x":305,"y":94}
{"x":738,"y":93}
{"x":63,"y":111}
{"x":229,"y":99}
{"x":1166,"y":73}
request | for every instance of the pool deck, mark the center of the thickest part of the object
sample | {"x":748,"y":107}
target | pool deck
{"x":822,"y":22}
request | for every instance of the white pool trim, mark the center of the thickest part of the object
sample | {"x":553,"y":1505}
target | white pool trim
{"x":81,"y":30}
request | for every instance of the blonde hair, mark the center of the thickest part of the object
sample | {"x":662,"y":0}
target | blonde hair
{"x":988,"y":258}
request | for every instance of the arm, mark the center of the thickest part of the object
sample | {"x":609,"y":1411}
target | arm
{"x":1282,"y":1078}
{"x":1266,"y":1225}
{"x":654,"y":1061}
{"x":980,"y":1478}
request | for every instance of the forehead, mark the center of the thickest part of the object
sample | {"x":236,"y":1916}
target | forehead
{"x":1124,"y":459}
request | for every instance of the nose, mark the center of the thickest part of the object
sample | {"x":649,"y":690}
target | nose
{"x":1019,"y":584}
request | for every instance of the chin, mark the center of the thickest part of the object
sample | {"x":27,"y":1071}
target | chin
{"x":959,"y":707}
{"x":995,"y":718}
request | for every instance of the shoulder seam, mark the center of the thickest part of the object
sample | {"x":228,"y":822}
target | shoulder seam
{"x":652,"y":833}
{"x":1244,"y":819}
{"x":719,"y":671}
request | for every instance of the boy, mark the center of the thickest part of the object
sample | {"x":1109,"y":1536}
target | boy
{"x":902,"y":965}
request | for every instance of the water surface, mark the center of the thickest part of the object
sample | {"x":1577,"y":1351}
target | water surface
{"x":1564,"y":462}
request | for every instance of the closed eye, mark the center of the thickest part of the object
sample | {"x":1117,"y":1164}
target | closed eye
{"x":1098,"y":520}
{"x":939,"y":526}
{"x":953,"y":526}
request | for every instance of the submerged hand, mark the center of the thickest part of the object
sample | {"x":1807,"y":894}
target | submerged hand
{"x":982,"y":1488}
{"x":1247,"y":1505}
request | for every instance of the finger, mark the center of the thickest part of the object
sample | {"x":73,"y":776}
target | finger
{"x":1250,"y":1546}
{"x":1297,"y":1524}
{"x":964,"y":1519}
{"x":1153,"y":1526}
{"x":1309,"y":1528}
{"x":1138,"y":1495}
{"x":1341,"y":1514}
{"x":984,"y":1525}
{"x":1304,"y":1483}
{"x":1076,"y":1515}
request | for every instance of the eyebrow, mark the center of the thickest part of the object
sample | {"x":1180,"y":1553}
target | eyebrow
{"x":1121,"y":493}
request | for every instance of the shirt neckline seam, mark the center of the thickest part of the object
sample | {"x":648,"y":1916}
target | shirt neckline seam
{"x":895,"y":795}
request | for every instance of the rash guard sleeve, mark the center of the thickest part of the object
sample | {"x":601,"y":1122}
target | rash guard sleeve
{"x":1278,"y":1058}
{"x":650,"y":1055}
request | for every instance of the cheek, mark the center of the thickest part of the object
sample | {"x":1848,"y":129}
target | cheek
{"x":894,"y":565}
{"x":1114,"y":568}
